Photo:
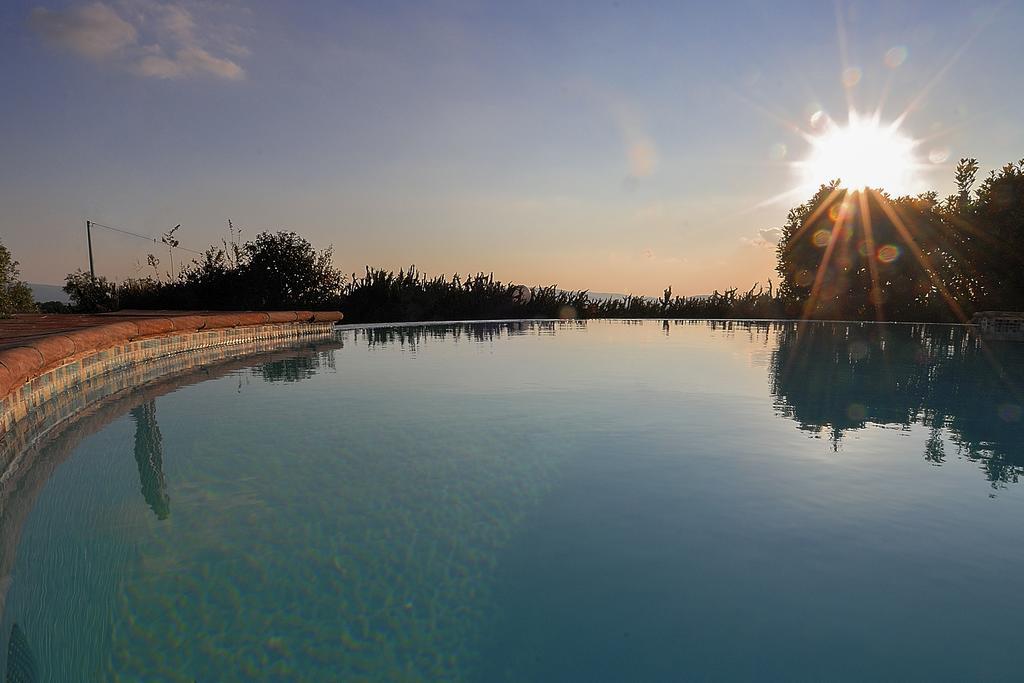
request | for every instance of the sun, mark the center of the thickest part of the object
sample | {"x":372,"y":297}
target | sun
{"x":864,"y":153}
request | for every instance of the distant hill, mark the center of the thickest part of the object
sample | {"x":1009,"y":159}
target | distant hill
{"x":600,"y":296}
{"x":43,"y":293}
{"x":604,"y":296}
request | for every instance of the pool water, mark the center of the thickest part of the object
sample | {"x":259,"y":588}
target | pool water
{"x":537,"y":501}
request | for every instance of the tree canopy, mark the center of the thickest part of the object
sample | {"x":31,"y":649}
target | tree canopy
{"x":275,"y":270}
{"x":859,"y":255}
{"x":15,"y":295}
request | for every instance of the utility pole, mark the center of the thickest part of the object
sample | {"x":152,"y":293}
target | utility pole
{"x":88,"y":237}
{"x":167,"y":238}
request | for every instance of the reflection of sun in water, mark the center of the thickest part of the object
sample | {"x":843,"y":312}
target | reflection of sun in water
{"x":863,"y":153}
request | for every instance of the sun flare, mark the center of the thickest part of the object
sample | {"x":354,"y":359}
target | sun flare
{"x":863,"y":153}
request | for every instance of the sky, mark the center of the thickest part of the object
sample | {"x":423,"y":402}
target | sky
{"x":611,"y":146}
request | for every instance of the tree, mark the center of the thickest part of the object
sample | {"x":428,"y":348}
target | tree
{"x":283,"y":270}
{"x":91,"y":294}
{"x":276,"y":270}
{"x":994,"y":224}
{"x":865,"y":255}
{"x":966,"y":174}
{"x":797,"y":254}
{"x":15,"y":295}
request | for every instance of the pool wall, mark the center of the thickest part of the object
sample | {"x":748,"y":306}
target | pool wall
{"x":33,"y":375}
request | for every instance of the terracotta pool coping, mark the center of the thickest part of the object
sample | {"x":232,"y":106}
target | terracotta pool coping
{"x":32,"y":345}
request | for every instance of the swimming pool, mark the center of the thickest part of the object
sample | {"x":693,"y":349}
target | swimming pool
{"x":561,"y":501}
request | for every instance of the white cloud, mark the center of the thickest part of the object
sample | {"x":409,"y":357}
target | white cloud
{"x":187,"y":61}
{"x":770,"y":235}
{"x":146,"y":37}
{"x":94,"y":31}
{"x":766,"y":237}
{"x":178,"y":22}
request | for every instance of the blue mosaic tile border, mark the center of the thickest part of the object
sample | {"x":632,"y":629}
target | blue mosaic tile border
{"x":62,"y":391}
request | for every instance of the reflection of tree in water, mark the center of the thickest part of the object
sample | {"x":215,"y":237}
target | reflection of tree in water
{"x":295,"y":368}
{"x":839,"y":377}
{"x":289,"y":370}
{"x":976,"y":394}
{"x":21,"y":663}
{"x":412,"y":336}
{"x":149,"y":456}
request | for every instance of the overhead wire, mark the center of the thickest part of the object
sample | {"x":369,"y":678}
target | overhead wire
{"x":155,"y":240}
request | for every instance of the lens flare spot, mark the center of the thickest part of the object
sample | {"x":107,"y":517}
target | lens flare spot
{"x":856,"y":412}
{"x":819,"y":120}
{"x":777,"y":152}
{"x":895,"y":56}
{"x":888,"y":253}
{"x":841,"y":211}
{"x":821,"y":237}
{"x":1010,"y":412}
{"x":567,"y":313}
{"x":643,"y":158}
{"x":522,"y":294}
{"x":851,"y":76}
{"x":858,"y":351}
{"x":938,"y":155}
